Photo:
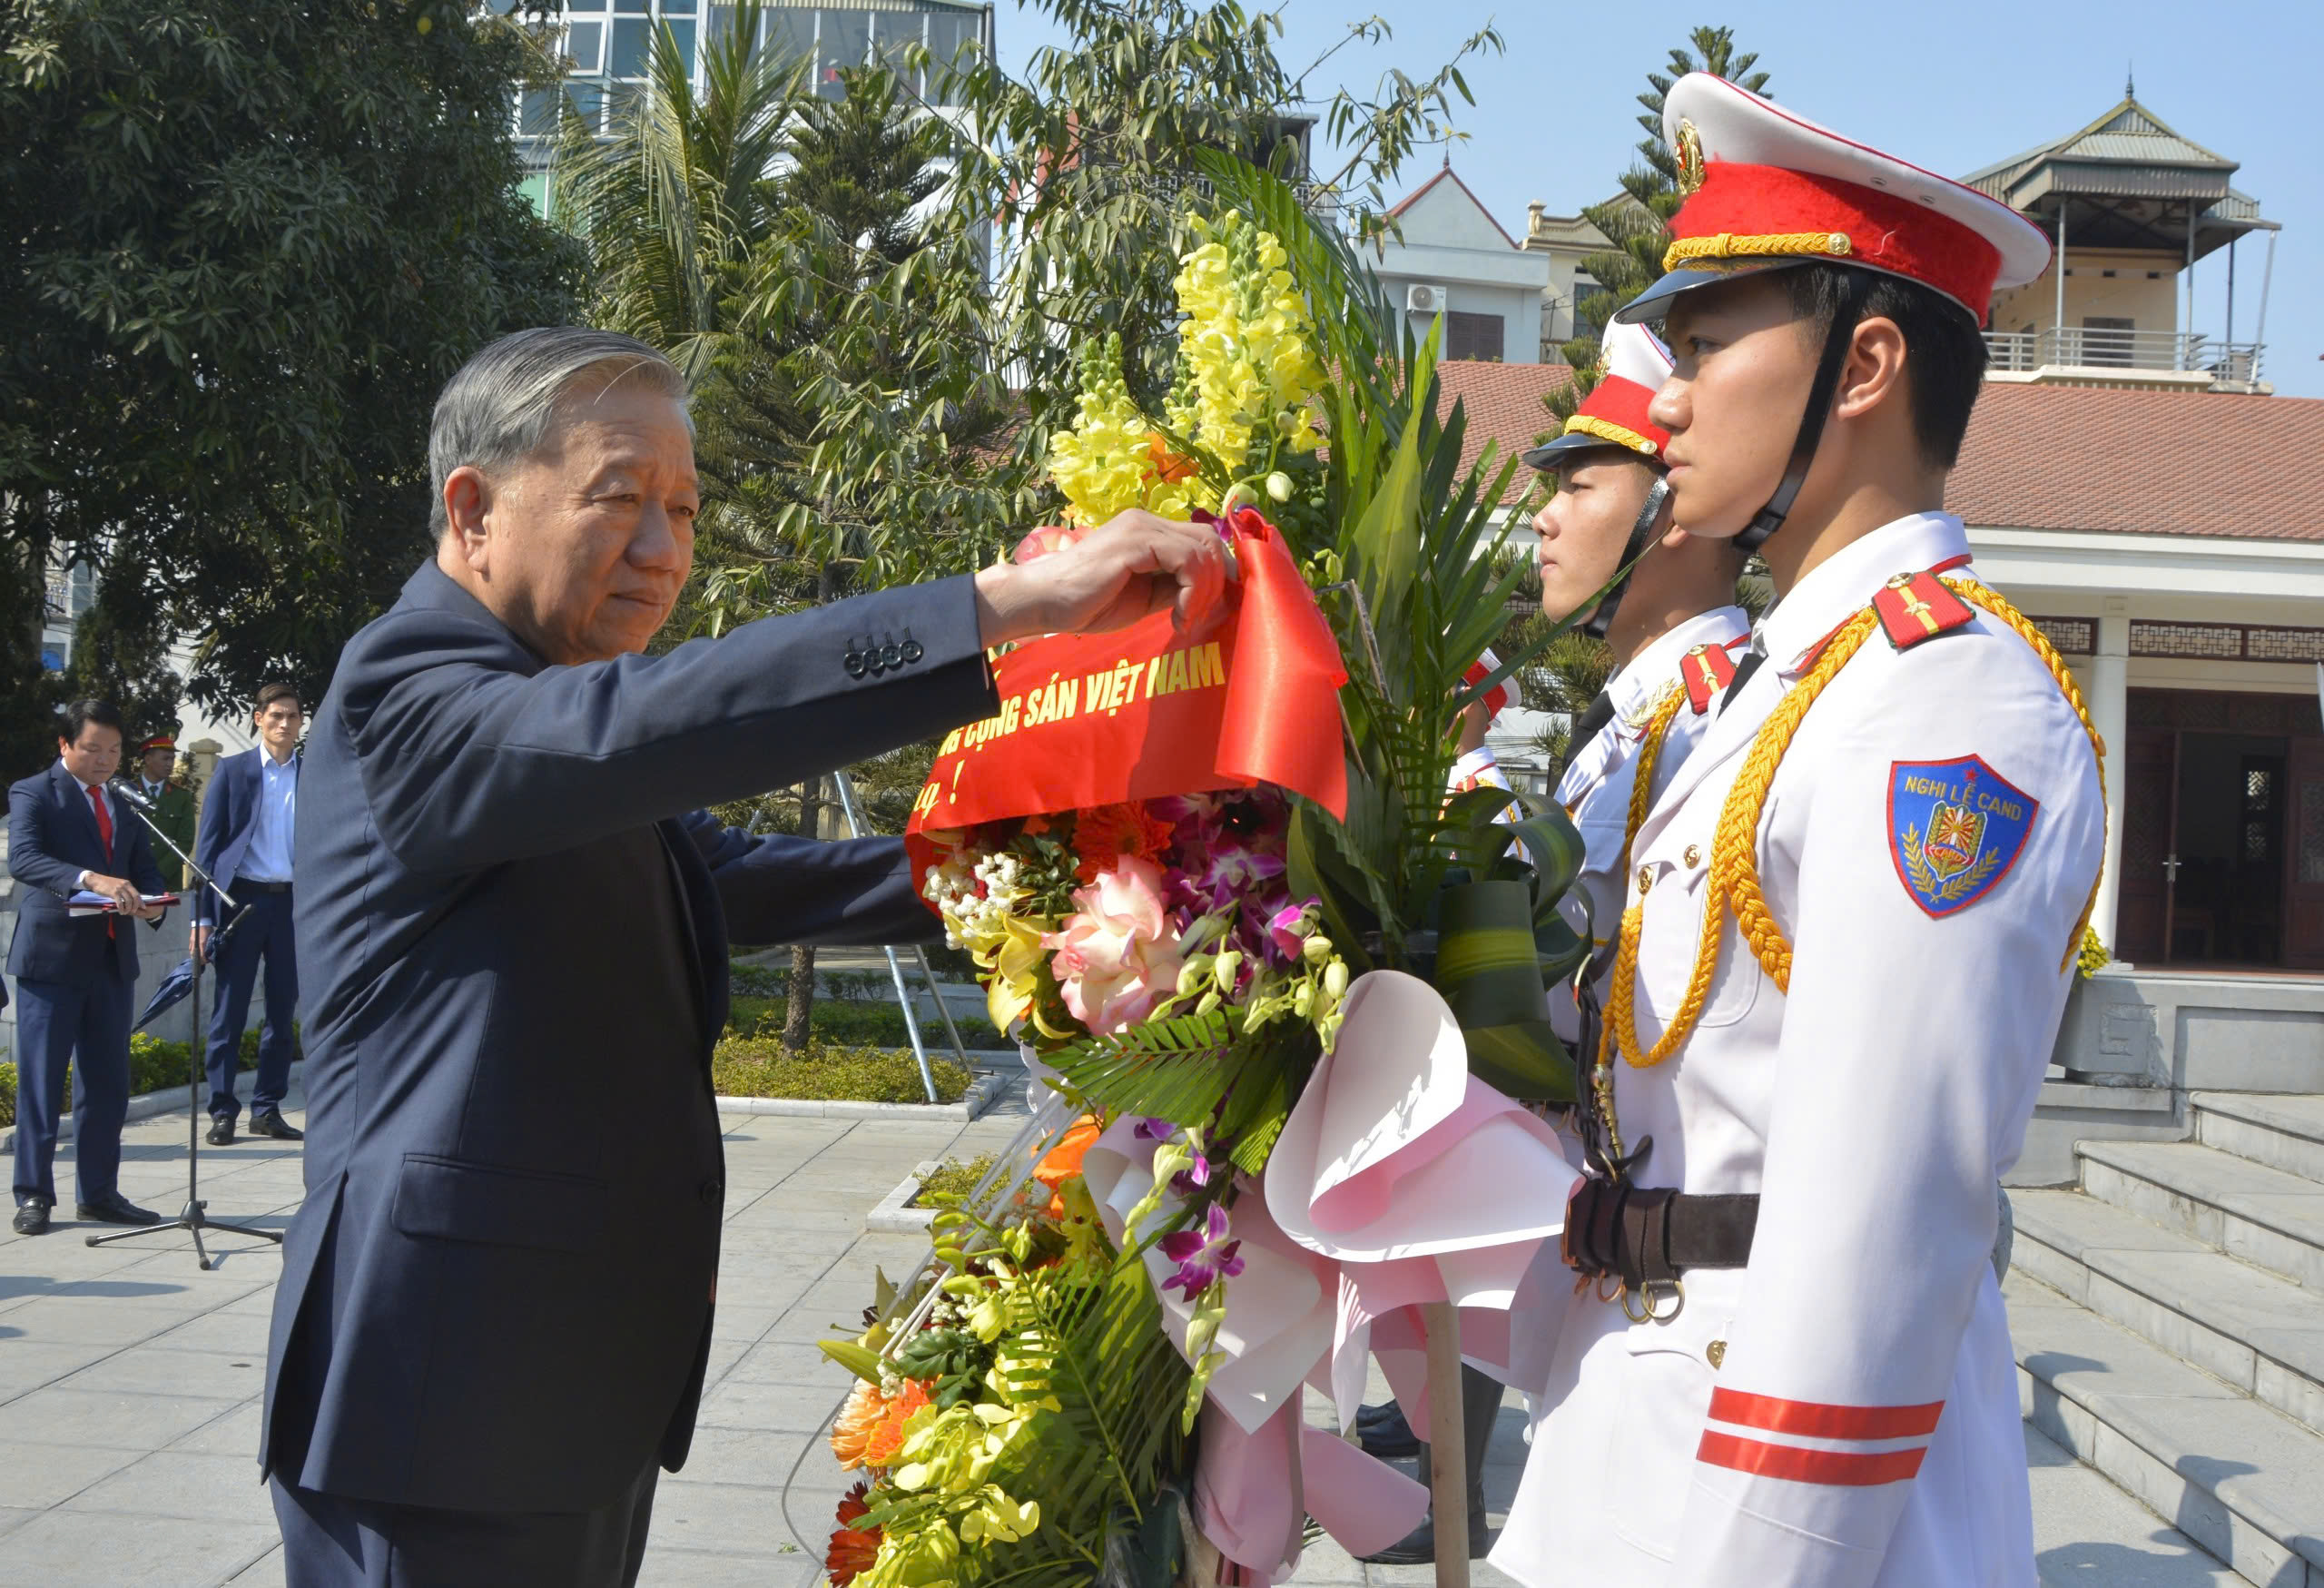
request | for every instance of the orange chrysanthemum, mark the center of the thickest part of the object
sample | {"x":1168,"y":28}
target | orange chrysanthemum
{"x":853,"y":1431}
{"x":1103,"y":835}
{"x":887,"y":1437}
{"x":853,"y":1549}
{"x":1063,"y":1161}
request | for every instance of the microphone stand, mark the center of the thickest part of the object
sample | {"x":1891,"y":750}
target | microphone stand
{"x":195,"y":1217}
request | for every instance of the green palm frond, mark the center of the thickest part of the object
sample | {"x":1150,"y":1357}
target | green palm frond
{"x":1116,"y":1441}
{"x":1196,"y":1069}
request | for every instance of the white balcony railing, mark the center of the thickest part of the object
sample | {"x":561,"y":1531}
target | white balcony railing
{"x":2098,"y":348}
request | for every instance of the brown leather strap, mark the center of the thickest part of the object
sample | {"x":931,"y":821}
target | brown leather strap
{"x":1644,"y":1235}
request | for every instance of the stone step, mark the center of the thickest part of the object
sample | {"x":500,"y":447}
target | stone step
{"x":2240,"y":1481}
{"x":2262,"y":1334}
{"x":2281,"y":1130}
{"x":2262,"y":1215}
{"x":2088,"y":1531}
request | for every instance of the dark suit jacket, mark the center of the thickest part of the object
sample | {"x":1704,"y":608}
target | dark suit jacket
{"x":53,"y":838}
{"x":228,"y":818}
{"x":512,"y":927}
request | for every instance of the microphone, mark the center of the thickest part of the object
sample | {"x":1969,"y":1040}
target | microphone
{"x":122,"y":791}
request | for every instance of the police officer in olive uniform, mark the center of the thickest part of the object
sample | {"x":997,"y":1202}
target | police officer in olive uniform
{"x":173,"y":807}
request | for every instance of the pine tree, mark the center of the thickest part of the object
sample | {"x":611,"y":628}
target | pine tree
{"x":1636,"y":221}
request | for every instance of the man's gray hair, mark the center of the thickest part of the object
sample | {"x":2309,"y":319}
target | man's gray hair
{"x":499,"y":408}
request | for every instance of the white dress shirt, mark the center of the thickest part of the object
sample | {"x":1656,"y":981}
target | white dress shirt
{"x":268,"y":858}
{"x":112,"y":812}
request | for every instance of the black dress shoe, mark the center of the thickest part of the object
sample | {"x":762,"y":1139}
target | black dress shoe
{"x":1418,"y":1547}
{"x":115,"y":1208}
{"x":222,"y":1131}
{"x":1389,"y":1439}
{"x":272,"y":1123}
{"x":32,"y":1218}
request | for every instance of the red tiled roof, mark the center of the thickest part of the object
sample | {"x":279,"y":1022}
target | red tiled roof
{"x":1503,"y":403}
{"x":2148,"y":462}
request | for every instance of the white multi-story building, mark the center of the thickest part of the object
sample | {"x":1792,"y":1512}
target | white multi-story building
{"x":608,"y":45}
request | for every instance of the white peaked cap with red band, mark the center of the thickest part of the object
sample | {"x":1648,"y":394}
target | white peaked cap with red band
{"x":1768,"y":189}
{"x":1614,"y":413}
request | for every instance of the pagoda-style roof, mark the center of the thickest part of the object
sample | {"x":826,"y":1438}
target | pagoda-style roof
{"x":2127,"y":181}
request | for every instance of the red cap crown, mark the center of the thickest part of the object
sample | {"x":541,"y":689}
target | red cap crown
{"x":1772,"y":186}
{"x":1615,"y":409}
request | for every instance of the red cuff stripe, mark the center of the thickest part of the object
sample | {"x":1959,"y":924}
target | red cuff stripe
{"x":1799,"y":1465}
{"x":1819,"y":1421}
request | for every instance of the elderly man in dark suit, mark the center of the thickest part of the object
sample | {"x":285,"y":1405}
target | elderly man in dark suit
{"x":68,"y":834}
{"x":513,"y":920}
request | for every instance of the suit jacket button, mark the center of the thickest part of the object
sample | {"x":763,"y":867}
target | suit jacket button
{"x":713,"y":1190}
{"x":910,"y":651}
{"x":892,"y":657}
{"x":854,"y":664}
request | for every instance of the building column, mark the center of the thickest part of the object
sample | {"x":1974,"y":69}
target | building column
{"x":2109,"y":703}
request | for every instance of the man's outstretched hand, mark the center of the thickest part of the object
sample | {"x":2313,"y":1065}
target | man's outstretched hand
{"x":1134,"y":567}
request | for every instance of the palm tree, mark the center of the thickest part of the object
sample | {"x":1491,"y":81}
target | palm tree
{"x":673,"y":201}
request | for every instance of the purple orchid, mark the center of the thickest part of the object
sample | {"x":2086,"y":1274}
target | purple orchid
{"x":1187,"y":1180}
{"x":1193,"y":1177}
{"x":1282,"y":926}
{"x":1232,"y":870}
{"x":1203,"y":1256}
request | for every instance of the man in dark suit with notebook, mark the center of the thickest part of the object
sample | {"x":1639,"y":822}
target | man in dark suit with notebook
{"x":67,"y":834}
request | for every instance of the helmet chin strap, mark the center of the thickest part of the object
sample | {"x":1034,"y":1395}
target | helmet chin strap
{"x":1856,"y":291}
{"x":1641,"y":536}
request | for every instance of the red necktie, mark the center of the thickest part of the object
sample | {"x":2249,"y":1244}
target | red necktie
{"x":105,"y":822}
{"x":104,"y":832}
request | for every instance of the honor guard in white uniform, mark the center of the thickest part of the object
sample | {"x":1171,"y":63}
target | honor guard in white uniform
{"x":1848,"y":927}
{"x":1670,"y":621}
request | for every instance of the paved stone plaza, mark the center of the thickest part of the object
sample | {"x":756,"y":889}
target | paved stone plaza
{"x":129,"y":1382}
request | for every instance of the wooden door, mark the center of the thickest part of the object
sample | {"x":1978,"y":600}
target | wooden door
{"x":2303,"y":847}
{"x":2141,"y":906}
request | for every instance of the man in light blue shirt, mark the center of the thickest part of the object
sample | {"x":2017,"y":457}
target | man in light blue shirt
{"x":246,"y":844}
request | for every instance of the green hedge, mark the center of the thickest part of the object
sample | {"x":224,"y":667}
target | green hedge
{"x":834,"y":1020}
{"x":153,"y":1066}
{"x":759,"y":1066}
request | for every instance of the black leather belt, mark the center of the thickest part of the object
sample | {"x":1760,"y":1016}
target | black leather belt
{"x":1644,"y":1236}
{"x":252,"y":885}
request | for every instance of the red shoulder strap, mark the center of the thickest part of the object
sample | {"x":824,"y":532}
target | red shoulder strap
{"x":1917,"y":607}
{"x":1705,"y":671}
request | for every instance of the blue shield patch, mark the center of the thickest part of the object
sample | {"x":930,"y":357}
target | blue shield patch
{"x":1955,"y":829}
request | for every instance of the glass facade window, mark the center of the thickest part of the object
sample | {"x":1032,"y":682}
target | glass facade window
{"x":605,"y":52}
{"x":791,"y":35}
{"x":585,"y":46}
{"x":588,"y":102}
{"x":843,"y":39}
{"x":895,"y":35}
{"x":633,"y":47}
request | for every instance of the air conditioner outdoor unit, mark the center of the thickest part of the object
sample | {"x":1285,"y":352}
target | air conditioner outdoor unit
{"x":1419,"y":298}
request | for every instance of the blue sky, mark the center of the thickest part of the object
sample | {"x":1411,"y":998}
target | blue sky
{"x":1952,"y":87}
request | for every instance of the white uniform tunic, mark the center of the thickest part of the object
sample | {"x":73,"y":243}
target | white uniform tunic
{"x":1595,"y":789}
{"x":1844,"y":1410}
